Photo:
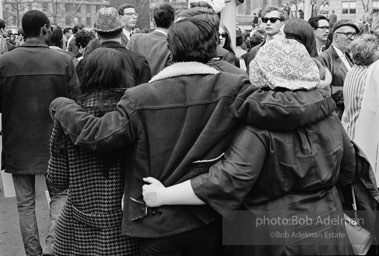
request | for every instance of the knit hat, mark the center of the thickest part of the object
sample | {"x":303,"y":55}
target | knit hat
{"x":107,"y":20}
{"x":217,"y":5}
{"x":284,"y":63}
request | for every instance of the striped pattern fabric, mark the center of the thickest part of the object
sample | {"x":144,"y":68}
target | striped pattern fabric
{"x":90,"y":223}
{"x":353,"y":89}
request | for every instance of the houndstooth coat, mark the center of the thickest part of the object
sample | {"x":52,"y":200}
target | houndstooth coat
{"x":90,"y":223}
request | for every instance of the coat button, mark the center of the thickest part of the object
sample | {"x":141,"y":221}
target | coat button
{"x":153,"y":212}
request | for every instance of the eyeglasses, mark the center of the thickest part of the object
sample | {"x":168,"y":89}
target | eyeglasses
{"x":131,"y":14}
{"x":348,"y":34}
{"x":223,"y":35}
{"x":272,"y":19}
{"x":325,"y":28}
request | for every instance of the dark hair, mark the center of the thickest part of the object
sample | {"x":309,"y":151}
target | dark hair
{"x":268,"y":9}
{"x":124,"y":6}
{"x":164,"y":15}
{"x":91,"y":46}
{"x":109,"y":35}
{"x":314,"y":20}
{"x":301,"y":31}
{"x":20,"y":31}
{"x":203,"y":13}
{"x":65,"y":30}
{"x":2,"y":24}
{"x":240,"y":38}
{"x":33,"y":21}
{"x":192,"y":39}
{"x":103,"y":69}
{"x":77,"y":27}
{"x":256,"y":39}
{"x":83,"y":37}
{"x":228,"y":40}
{"x":56,"y":37}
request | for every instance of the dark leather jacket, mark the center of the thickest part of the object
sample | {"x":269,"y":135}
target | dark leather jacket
{"x":31,"y":76}
{"x":189,"y":111}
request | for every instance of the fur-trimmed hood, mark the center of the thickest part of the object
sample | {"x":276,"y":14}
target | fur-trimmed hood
{"x":184,"y":68}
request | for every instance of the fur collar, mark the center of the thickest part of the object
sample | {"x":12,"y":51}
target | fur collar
{"x":184,"y":69}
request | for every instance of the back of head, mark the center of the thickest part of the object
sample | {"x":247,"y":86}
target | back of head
{"x":83,"y":37}
{"x":192,"y":40}
{"x":32,"y":22}
{"x":56,"y":37}
{"x":365,"y":49}
{"x":314,"y":20}
{"x":295,"y":70}
{"x":77,"y":27}
{"x":301,"y":31}
{"x":203,"y":13}
{"x":164,"y":15}
{"x":2,"y":24}
{"x":103,"y":69}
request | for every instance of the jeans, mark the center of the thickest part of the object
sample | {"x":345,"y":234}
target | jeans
{"x":204,"y":241}
{"x":58,"y":200}
{"x":25,"y":195}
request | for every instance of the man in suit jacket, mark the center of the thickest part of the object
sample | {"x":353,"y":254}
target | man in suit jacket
{"x":129,"y":19}
{"x":154,"y":45}
{"x":337,"y":60}
{"x":109,"y":29}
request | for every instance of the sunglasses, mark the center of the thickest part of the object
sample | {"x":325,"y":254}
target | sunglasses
{"x":223,"y":35}
{"x":272,"y":20}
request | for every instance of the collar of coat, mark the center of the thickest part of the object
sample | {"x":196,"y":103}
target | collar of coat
{"x":184,"y":69}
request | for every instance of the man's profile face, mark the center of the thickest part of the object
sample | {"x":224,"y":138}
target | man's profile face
{"x":322,"y":30}
{"x":343,"y":37}
{"x":129,"y":18}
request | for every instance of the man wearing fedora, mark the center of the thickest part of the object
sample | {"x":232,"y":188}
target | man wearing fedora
{"x":109,"y":28}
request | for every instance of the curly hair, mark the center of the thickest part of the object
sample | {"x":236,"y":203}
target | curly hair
{"x":83,"y":37}
{"x":364,"y":49}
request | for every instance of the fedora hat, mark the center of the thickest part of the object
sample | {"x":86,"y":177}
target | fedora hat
{"x":107,"y":20}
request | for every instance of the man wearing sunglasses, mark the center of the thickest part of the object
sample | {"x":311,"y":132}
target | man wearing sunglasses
{"x":272,"y":21}
{"x":336,"y":58}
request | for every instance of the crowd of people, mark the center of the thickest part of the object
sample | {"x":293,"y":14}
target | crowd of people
{"x":177,"y":142}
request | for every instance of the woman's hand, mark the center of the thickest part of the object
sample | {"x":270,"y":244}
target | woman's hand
{"x":153,"y":192}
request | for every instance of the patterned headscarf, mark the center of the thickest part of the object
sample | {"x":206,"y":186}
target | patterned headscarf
{"x":284,"y":63}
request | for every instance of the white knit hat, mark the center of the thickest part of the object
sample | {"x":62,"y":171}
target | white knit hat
{"x":217,"y":5}
{"x":284,"y":63}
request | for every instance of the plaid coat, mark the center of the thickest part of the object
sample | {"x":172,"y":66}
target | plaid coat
{"x":90,"y":223}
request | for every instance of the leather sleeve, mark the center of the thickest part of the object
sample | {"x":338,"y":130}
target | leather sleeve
{"x":92,"y":133}
{"x":230,"y":180}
